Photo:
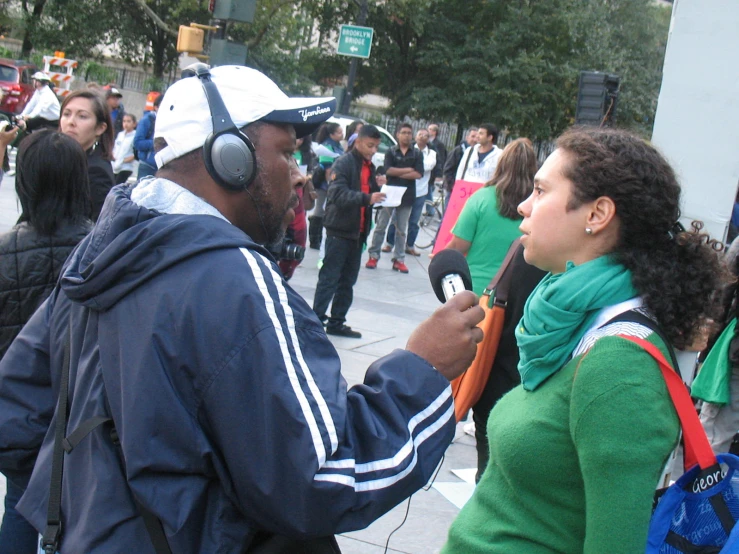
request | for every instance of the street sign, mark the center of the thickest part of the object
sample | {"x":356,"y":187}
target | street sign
{"x":355,"y":41}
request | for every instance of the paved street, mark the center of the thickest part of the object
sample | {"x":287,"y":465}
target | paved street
{"x":387,"y":307}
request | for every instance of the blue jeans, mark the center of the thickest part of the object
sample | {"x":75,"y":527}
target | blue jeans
{"x":416,"y":212}
{"x":17,"y":536}
{"x":430,"y":196}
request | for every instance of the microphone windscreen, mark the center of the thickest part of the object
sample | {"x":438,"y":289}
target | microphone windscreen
{"x":448,"y":262}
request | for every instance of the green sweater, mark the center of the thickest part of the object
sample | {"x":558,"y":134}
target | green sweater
{"x":490,"y":233}
{"x":574,"y":464}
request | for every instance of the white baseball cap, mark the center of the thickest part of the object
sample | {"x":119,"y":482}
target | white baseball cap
{"x":40,"y":76}
{"x":184,"y":118}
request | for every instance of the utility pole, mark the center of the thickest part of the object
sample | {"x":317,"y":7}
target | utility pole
{"x":353,"y":65}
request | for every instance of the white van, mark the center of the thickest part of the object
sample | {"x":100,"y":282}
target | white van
{"x":386,"y":142}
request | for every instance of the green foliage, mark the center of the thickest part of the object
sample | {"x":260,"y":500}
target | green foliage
{"x":96,"y":72}
{"x":512,"y":62}
{"x":155,"y":84}
{"x":627,"y":38}
{"x":278,"y":42}
{"x":78,"y":27}
{"x":515,"y":63}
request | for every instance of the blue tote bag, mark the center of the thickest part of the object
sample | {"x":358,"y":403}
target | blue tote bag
{"x":698,"y":513}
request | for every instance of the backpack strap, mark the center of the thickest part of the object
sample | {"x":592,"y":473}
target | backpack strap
{"x":467,"y":161}
{"x":635,"y":316}
{"x":53,"y":532}
{"x":501,"y":283}
{"x":697,"y":448}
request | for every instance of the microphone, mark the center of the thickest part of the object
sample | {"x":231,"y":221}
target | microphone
{"x":449,"y":274}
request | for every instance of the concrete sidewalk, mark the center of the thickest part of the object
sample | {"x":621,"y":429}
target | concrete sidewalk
{"x":387,"y":307}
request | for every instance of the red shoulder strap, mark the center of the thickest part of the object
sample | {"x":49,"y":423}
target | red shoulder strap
{"x":697,"y":448}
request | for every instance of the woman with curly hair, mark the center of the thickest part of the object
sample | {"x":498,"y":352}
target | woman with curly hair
{"x":577,"y":451}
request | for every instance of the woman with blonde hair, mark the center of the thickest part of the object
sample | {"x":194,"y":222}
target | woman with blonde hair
{"x":577,"y":451}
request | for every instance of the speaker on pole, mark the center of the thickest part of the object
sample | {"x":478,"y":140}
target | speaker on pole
{"x":597,"y":97}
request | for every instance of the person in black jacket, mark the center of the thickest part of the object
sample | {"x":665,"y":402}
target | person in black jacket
{"x":504,"y":374}
{"x":54,"y":193}
{"x":86,"y":118}
{"x":353,"y":188}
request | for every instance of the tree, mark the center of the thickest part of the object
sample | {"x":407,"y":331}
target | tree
{"x":276,"y":41}
{"x":515,"y":63}
{"x":31,"y":18}
{"x":144,"y":31}
{"x":627,"y":38}
{"x":147,"y":29}
{"x":78,"y":27}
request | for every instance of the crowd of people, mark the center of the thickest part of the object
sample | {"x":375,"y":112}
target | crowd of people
{"x":203,"y":402}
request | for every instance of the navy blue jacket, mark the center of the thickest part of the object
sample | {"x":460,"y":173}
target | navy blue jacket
{"x":143,"y":140}
{"x":226,"y":393}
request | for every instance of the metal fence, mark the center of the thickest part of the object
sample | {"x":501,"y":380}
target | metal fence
{"x":14,"y":46}
{"x":137,"y":80}
{"x":448,"y":132}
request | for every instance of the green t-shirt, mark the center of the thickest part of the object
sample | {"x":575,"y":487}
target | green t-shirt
{"x":490,"y":233}
{"x":574,"y":463}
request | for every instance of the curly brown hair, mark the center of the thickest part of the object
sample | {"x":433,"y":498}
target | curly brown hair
{"x":676,"y":272}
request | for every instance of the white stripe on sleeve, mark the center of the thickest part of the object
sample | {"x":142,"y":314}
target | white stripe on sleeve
{"x":386,"y":482}
{"x":315,"y":391}
{"x":286,"y":358}
{"x":404,"y":451}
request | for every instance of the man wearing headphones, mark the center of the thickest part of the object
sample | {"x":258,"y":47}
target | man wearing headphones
{"x":232,"y":424}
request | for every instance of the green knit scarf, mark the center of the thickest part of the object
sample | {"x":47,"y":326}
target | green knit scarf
{"x":561,"y":309}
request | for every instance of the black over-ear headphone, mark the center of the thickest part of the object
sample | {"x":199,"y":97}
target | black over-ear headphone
{"x":228,"y":153}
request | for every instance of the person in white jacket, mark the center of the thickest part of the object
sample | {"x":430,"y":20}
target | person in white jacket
{"x":42,"y":109}
{"x":123,"y":150}
{"x":478,"y":163}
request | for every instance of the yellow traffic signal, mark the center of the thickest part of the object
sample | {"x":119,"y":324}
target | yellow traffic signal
{"x":190,"y":39}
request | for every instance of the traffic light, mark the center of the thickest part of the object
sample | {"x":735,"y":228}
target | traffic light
{"x":190,"y":39}
{"x":235,"y":10}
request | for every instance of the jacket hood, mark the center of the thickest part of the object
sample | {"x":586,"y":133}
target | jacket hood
{"x":131,"y":244}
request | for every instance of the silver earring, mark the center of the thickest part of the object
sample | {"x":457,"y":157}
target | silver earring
{"x":588,"y":231}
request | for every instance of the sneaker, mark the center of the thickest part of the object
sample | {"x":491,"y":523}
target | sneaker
{"x":400,"y":266}
{"x":371,"y":263}
{"x":387,"y":248}
{"x":343,"y":331}
{"x":412,"y":251}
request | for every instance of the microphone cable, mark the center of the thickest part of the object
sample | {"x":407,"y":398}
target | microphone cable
{"x":408,"y":505}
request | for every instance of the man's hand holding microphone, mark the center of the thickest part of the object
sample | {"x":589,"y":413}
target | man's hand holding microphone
{"x":448,"y":339}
